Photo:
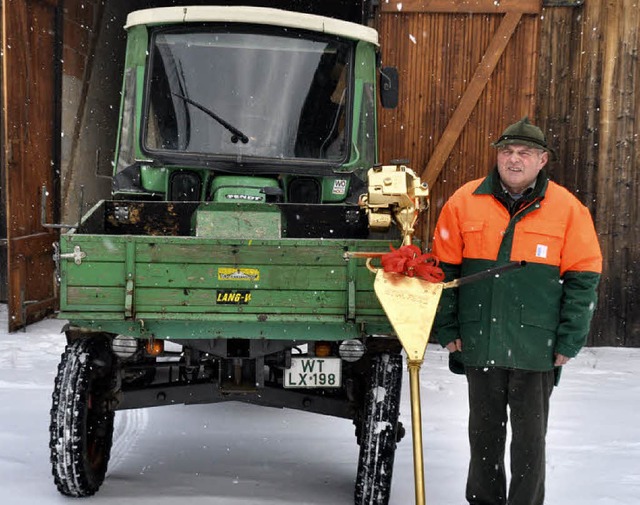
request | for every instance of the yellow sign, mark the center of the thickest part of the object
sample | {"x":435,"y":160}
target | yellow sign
{"x":232,"y":297}
{"x":238,"y":274}
{"x":410,"y":304}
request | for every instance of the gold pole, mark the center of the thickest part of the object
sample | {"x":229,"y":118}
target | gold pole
{"x":416,"y":429}
{"x":410,"y":304}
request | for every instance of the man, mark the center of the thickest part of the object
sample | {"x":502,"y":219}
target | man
{"x":513,"y":331}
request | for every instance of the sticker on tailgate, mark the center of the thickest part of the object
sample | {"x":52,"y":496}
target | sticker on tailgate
{"x":233,"y":296}
{"x":238,"y":274}
{"x":314,"y":373}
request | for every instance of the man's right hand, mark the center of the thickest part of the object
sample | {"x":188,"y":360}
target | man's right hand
{"x":454,"y":346}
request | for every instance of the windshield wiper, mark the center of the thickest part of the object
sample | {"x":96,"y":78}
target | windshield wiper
{"x":236,"y":134}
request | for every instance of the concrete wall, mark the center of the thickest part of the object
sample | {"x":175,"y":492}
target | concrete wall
{"x":93,"y":53}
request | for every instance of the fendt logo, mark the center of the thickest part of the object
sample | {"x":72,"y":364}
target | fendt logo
{"x":248,"y":198}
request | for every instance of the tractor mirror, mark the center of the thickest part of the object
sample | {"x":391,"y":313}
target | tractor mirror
{"x":389,"y":87}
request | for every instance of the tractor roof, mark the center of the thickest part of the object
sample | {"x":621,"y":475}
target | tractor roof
{"x":252,"y":15}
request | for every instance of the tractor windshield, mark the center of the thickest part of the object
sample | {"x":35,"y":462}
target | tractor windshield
{"x":273,"y":94}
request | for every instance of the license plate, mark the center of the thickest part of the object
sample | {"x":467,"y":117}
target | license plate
{"x":314,"y":373}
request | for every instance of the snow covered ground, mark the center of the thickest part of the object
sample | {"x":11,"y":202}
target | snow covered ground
{"x":235,"y":454}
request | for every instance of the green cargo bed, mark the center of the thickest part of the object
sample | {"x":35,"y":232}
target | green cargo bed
{"x":193,"y":287}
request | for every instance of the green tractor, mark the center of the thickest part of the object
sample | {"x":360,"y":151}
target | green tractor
{"x":225,"y":266}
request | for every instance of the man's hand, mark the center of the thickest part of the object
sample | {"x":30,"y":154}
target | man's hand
{"x":454,"y":346}
{"x":561,"y":360}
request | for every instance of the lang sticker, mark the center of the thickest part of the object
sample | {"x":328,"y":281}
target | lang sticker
{"x":232,"y":297}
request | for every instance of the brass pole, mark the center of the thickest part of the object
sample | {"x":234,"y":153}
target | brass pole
{"x":416,"y":429}
{"x":410,"y":304}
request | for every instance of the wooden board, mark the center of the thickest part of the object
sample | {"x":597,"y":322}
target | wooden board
{"x":30,"y":93}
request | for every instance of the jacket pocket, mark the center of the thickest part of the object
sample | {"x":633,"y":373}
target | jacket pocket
{"x":543,"y":319}
{"x":537,"y":339}
{"x":538,"y":242}
{"x":471,"y":332}
{"x":472,"y":237}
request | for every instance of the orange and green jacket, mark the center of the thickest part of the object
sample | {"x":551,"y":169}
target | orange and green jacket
{"x":521,"y":318}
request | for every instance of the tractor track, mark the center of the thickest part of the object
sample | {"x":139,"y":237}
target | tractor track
{"x":129,"y":425}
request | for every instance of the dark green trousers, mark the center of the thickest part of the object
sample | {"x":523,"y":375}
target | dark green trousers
{"x":495,"y":395}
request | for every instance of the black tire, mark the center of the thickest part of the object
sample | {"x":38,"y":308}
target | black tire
{"x":81,"y":427}
{"x":379,"y":431}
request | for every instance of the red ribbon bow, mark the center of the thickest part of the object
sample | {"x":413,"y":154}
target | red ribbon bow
{"x":410,"y":261}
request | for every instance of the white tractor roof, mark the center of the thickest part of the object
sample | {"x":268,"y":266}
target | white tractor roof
{"x":253,"y":15}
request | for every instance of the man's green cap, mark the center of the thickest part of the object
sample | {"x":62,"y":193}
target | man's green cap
{"x":523,"y":133}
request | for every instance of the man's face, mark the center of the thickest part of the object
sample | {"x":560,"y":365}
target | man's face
{"x":519,"y":165}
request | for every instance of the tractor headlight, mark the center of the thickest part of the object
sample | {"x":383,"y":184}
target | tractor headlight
{"x":124,"y":346}
{"x":351,"y":350}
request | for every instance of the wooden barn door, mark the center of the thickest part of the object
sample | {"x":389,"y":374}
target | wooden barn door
{"x":30,"y":140}
{"x":467,"y":69}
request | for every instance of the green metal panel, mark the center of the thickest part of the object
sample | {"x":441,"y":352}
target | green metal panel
{"x":144,"y":284}
{"x":214,"y":326}
{"x":95,"y":299}
{"x":278,"y":277}
{"x":335,"y":189}
{"x":154,"y":178}
{"x":137,"y":42}
{"x":293,"y":252}
{"x":260,"y":301}
{"x":363,"y":105}
{"x":226,"y":188}
{"x":238,"y":221}
{"x":96,"y":274}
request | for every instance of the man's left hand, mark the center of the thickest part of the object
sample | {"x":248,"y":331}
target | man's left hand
{"x":561,"y":360}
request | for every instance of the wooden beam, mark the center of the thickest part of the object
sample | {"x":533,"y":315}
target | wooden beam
{"x":470,"y":98}
{"x":463,"y":6}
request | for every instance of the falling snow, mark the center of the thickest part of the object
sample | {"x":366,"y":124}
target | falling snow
{"x":238,"y":454}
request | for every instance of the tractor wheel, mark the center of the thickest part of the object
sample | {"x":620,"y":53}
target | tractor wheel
{"x":379,"y":431}
{"x":81,"y":427}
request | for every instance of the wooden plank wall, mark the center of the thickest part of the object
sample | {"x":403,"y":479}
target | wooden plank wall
{"x":574,"y":70}
{"x":589,"y":99}
{"x":437,"y":54}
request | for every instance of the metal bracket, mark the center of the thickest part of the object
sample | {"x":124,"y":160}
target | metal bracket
{"x":77,"y":255}
{"x":121,"y":213}
{"x":130,"y":265}
{"x":351,"y":291}
{"x":128,"y":299}
{"x":43,"y":211}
